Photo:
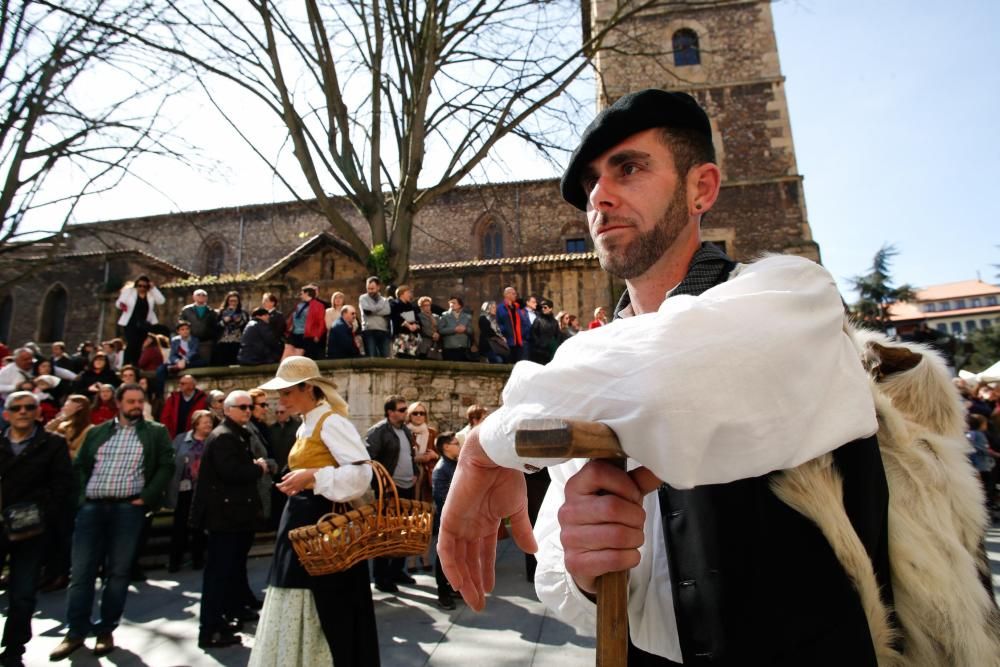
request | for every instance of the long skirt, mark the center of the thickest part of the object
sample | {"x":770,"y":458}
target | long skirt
{"x":301,"y":611}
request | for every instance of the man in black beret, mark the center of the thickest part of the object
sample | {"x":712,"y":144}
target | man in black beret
{"x":721,"y":571}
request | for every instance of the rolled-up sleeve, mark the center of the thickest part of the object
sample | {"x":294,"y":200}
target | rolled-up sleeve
{"x":347,"y":481}
{"x":755,"y":375}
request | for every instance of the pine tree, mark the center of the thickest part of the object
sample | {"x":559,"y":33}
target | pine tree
{"x":876,"y":292}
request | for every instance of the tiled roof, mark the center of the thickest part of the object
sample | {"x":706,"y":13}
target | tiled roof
{"x":560,"y":258}
{"x":302,"y":250}
{"x":911,"y":312}
{"x":115,"y":253}
{"x":956,"y":290}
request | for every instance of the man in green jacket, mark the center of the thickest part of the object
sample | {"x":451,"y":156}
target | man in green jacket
{"x":123,"y":468}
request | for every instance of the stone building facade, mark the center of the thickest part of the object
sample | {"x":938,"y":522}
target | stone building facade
{"x":478,"y":238}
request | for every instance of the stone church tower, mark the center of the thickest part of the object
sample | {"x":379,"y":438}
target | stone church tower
{"x":724,"y":53}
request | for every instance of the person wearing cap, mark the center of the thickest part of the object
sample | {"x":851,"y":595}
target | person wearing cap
{"x":258,"y":344}
{"x":544,"y":336}
{"x":320,"y":471}
{"x":721,"y":572}
{"x":204,"y":321}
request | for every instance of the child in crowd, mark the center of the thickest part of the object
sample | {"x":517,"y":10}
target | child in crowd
{"x":447,"y":448}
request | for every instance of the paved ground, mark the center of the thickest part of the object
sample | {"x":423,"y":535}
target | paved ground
{"x":160,"y":627}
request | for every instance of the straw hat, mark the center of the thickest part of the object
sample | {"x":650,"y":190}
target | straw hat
{"x":296,"y":370}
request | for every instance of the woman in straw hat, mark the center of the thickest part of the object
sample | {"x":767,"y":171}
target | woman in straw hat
{"x":328,"y":619}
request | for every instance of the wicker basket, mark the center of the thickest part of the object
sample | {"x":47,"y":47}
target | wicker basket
{"x":390,"y":526}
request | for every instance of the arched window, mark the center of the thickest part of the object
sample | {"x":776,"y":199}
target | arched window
{"x":213,"y":257}
{"x":6,"y":317}
{"x":492,"y":241}
{"x":686,"y":50}
{"x":53,"y":315}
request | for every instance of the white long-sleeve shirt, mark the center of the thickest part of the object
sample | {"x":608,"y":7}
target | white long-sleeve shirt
{"x":347,"y":481}
{"x":752,"y":376}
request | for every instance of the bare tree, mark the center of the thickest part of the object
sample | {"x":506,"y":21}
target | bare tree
{"x":392,"y":103}
{"x":79,"y":104}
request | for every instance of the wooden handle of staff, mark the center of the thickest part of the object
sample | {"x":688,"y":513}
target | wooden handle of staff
{"x":592,"y":440}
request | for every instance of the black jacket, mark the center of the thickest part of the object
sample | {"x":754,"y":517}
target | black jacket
{"x":225,"y":497}
{"x":383,"y":445}
{"x":204,"y":328}
{"x":340,"y":343}
{"x":258,"y":345}
{"x":41,"y":473}
{"x":545,"y":338}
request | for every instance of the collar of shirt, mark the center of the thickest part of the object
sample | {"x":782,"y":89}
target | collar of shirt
{"x":6,"y":434}
{"x":709,"y":267}
{"x":310,"y":418}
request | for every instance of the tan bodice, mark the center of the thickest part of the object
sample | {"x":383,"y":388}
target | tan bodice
{"x":310,"y":452}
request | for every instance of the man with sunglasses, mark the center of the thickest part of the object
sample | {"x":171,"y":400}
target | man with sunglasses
{"x":392,"y":444}
{"x":226,"y":504}
{"x":136,"y":304}
{"x":123,"y":468}
{"x":34,"y":470}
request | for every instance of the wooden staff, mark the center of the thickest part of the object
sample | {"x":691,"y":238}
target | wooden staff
{"x":558,"y":439}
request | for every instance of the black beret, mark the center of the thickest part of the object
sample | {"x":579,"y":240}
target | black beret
{"x":631,"y":114}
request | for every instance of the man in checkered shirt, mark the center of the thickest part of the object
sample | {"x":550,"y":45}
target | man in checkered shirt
{"x":123,"y":468}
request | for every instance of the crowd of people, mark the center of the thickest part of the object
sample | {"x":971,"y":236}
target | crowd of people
{"x":227,"y":466}
{"x":380,"y":323}
{"x":982,"y":404}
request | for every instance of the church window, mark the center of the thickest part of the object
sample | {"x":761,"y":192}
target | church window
{"x":686,"y":51}
{"x":53,"y":315}
{"x":213,"y":257}
{"x":576,"y":245}
{"x":6,"y":317}
{"x":492,"y":241}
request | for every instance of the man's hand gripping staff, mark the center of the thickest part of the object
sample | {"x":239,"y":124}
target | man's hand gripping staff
{"x":601,"y":521}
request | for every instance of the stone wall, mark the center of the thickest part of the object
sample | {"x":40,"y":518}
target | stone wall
{"x":448,"y":388}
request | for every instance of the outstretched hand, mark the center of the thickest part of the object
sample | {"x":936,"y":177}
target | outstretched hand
{"x":481,"y":495}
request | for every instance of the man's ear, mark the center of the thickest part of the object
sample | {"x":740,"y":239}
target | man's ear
{"x":703,"y":183}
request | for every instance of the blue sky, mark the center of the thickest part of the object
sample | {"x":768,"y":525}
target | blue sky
{"x":893,"y":107}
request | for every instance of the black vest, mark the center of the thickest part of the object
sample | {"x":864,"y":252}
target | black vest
{"x":754,"y":582}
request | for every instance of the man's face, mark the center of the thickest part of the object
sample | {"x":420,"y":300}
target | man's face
{"x":128,"y":376}
{"x":21,"y":413}
{"x":510,"y":295}
{"x":142,"y":286}
{"x":24,"y":360}
{"x":349,"y":315}
{"x":281,"y":413}
{"x":453,"y":306}
{"x":186,"y":384}
{"x":397,"y":416}
{"x":240,"y":411}
{"x":531,"y":303}
{"x":637,"y":204}
{"x":200,"y":298}
{"x":184,"y":332}
{"x":130,"y":406}
{"x":372,"y":288}
{"x":58,"y":350}
{"x":305,"y":296}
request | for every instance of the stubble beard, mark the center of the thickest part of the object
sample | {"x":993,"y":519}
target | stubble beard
{"x":632,"y":259}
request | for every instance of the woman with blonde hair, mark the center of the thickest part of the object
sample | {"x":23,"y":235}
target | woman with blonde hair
{"x":426,"y":458}
{"x":72,"y":422}
{"x":327,"y":619}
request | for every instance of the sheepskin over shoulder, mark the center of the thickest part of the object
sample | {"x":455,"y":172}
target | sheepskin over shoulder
{"x":937,"y":517}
